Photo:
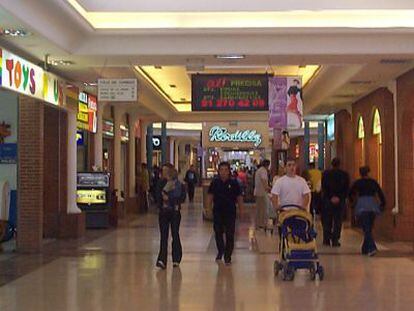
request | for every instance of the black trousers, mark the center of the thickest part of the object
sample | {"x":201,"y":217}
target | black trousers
{"x":169,"y":218}
{"x":332,"y":216}
{"x":224,"y":225}
{"x":191,"y":189}
{"x":367,"y":220}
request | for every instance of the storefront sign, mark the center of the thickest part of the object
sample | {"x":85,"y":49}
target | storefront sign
{"x":117,"y":90}
{"x":229,"y":92}
{"x":108,"y":128}
{"x":23,"y":77}
{"x":80,"y":138}
{"x":285,"y":102}
{"x":156,"y":142}
{"x":95,"y":179}
{"x":235,"y":135}
{"x":90,"y":196}
{"x":87,"y":107}
{"x":8,"y":153}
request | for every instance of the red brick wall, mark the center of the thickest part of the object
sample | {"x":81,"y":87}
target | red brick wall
{"x":344,"y":140}
{"x":405,"y":117}
{"x":30,"y":176}
{"x":382,"y":99}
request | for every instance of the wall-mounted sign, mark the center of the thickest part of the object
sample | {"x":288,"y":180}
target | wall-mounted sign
{"x":87,"y":107}
{"x":21,"y":76}
{"x":156,"y":142}
{"x":235,"y":135}
{"x":330,"y":128}
{"x":117,"y":90}
{"x":80,"y":138}
{"x":229,"y":92}
{"x":124,"y":133}
{"x":95,"y":179}
{"x":108,"y":128}
{"x":361,"y":130}
{"x":376,"y":125}
{"x":285,"y":102}
{"x":90,"y":196}
{"x":8,"y":153}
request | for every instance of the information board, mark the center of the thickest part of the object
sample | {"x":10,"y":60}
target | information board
{"x":229,"y":92}
{"x":117,"y":90}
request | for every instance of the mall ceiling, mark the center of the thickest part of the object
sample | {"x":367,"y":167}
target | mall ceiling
{"x":355,"y":47}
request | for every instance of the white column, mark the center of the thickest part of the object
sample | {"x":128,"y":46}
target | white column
{"x":144,"y":141}
{"x":172,"y":150}
{"x":98,"y":137}
{"x":176,"y":155}
{"x":132,"y":154}
{"x":72,"y":163}
{"x":117,"y":150}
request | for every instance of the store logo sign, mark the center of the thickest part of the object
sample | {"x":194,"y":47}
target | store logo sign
{"x":222,"y":134}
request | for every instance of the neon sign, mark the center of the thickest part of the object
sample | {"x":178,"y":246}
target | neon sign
{"x":221,"y":134}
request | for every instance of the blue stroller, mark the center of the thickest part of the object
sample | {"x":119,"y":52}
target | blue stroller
{"x":297,"y":246}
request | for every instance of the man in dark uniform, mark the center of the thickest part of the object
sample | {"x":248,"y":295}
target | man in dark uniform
{"x":224,"y":192}
{"x":191,"y":180}
{"x":335,"y":188}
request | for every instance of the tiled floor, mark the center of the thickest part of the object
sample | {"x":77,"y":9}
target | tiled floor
{"x":116,"y":272}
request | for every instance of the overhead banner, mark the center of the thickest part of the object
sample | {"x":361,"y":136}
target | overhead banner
{"x":285,"y":102}
{"x":251,"y":135}
{"x":229,"y":92}
{"x":21,"y":76}
{"x":117,"y":90}
{"x":87,"y":108}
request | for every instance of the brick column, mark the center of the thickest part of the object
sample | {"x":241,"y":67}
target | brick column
{"x":30,"y":176}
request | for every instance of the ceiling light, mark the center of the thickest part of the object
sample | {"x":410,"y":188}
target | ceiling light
{"x":183,"y":99}
{"x":157,"y":67}
{"x":14,"y":32}
{"x":230,"y":56}
{"x":173,"y":86}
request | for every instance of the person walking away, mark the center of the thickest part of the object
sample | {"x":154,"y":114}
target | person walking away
{"x":369,"y":202}
{"x":191,"y":181}
{"x":335,"y":187}
{"x":168,"y":197}
{"x":261,"y":190}
{"x":290,"y":191}
{"x":315,"y":178}
{"x":224,"y":193}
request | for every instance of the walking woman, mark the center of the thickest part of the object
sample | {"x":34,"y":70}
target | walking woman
{"x":369,"y":202}
{"x":168,"y":195}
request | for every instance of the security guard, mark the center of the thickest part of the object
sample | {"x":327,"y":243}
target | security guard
{"x":224,"y":192}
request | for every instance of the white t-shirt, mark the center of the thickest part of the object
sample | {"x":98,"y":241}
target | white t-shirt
{"x":259,"y":187}
{"x":290,"y":190}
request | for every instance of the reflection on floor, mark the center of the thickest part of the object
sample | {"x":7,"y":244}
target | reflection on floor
{"x":115,"y":271}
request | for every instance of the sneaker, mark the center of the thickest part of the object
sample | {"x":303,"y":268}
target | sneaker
{"x":228,"y":262}
{"x":160,"y":264}
{"x":336,"y":244}
{"x":372,"y":253}
{"x":176,"y":264}
{"x":219,"y":257}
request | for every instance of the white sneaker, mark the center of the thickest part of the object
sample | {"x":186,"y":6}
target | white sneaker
{"x":176,"y":264}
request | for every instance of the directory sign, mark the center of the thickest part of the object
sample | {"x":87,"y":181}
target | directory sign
{"x":229,"y":92}
{"x":117,"y":90}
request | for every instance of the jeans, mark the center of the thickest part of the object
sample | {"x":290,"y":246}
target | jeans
{"x":367,"y":220}
{"x":224,"y":225}
{"x":191,"y":189}
{"x":167,"y":218}
{"x":332,"y":220}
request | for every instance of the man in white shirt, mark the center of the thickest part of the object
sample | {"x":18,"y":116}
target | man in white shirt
{"x":261,"y":190}
{"x":291,"y":190}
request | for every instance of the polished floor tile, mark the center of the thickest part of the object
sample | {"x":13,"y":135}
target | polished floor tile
{"x":116,"y":272}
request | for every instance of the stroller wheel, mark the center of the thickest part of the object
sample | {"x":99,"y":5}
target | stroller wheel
{"x":277,"y":267}
{"x":321,"y":273}
{"x":312,"y":272}
{"x":288,"y":273}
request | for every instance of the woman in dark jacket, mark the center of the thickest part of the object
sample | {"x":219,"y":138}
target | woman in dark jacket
{"x":369,"y":202}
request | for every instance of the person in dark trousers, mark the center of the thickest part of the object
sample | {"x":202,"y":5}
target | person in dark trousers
{"x":335,"y":187}
{"x":369,"y":201}
{"x":191,"y":181}
{"x":168,"y":192}
{"x":224,"y":192}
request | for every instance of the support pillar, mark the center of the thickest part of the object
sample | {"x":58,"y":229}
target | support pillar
{"x":72,"y":163}
{"x":150,"y":134}
{"x":117,"y":152}
{"x":306,"y":145}
{"x":172,"y":150}
{"x":99,"y":138}
{"x":163,"y":142}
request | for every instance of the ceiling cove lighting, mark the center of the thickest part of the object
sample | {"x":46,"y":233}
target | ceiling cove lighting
{"x":230,"y":56}
{"x":359,"y":18}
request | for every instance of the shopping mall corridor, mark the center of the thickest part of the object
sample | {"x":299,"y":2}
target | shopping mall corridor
{"x":116,"y":271}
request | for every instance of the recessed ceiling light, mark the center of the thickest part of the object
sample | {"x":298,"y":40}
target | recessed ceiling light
{"x":182,"y":99}
{"x":173,"y":86}
{"x":15,"y":32}
{"x":157,"y":67}
{"x":230,"y":56}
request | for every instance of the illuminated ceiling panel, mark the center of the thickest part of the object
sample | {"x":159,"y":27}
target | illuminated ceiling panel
{"x":346,"y":18}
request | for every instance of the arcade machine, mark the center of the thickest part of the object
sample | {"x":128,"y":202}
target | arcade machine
{"x":94,"y":198}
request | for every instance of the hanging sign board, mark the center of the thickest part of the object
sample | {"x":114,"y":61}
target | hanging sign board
{"x":235,"y":135}
{"x":87,"y":108}
{"x":229,"y":92}
{"x":117,"y":90}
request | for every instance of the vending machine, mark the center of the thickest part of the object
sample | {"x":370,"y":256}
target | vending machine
{"x":94,"y":198}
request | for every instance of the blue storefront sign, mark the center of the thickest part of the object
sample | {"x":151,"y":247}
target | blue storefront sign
{"x":8,"y":153}
{"x":80,"y":138}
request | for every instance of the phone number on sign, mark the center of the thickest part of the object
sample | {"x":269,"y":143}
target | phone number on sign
{"x":224,"y":103}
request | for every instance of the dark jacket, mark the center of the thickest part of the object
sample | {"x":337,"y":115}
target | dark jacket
{"x":158,"y":191}
{"x":335,"y":182}
{"x":189,"y":180}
